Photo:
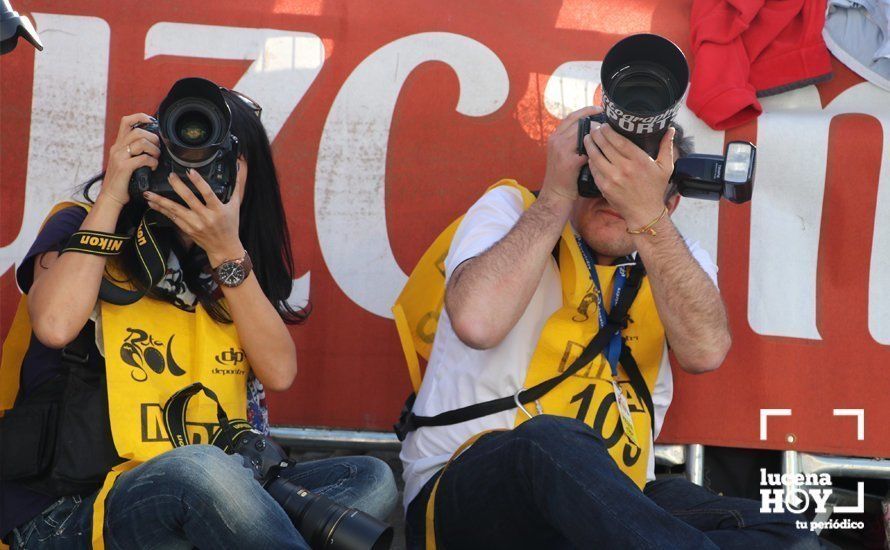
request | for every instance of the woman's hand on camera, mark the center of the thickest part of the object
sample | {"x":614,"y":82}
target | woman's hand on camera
{"x":133,"y":148}
{"x":212,"y":224}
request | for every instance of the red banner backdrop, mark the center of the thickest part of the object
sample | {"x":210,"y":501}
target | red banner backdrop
{"x":390,"y":118}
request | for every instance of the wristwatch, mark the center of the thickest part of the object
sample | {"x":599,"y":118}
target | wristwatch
{"x":232,"y":273}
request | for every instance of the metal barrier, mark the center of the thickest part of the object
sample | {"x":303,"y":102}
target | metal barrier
{"x":842,"y":466}
{"x":794,"y":462}
{"x":323,"y":438}
{"x":693,"y":456}
{"x":670,"y":455}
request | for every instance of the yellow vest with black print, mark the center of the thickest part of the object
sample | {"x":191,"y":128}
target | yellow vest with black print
{"x":587,"y":396}
{"x":152,"y":349}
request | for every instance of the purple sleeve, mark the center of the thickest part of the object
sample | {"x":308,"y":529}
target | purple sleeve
{"x":55,"y":233}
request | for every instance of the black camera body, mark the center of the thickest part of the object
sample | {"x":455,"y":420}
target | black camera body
{"x":644,"y":77}
{"x":586,"y":184}
{"x":219,"y":173}
{"x":697,"y":176}
{"x":194,"y":126}
{"x":322,"y":522}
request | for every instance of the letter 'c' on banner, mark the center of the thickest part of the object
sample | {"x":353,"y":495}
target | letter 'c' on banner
{"x":350,"y":177}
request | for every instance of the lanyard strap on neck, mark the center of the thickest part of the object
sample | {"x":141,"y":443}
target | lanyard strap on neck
{"x":613,"y":349}
{"x":150,"y":252}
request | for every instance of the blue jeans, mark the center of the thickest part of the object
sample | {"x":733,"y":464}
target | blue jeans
{"x":550,"y":483}
{"x":199,"y":496}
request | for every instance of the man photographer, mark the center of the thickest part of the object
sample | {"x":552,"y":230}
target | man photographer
{"x":529,"y":282}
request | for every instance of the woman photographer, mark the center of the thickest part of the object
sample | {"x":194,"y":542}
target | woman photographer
{"x":220,"y":315}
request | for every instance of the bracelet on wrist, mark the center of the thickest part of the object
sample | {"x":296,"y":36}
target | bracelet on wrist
{"x":649,"y":228}
{"x":110,"y":198}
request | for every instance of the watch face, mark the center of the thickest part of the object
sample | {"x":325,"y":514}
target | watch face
{"x":231,"y":273}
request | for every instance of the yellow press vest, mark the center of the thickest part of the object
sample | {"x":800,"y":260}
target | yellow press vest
{"x":588,"y":395}
{"x":152,"y":349}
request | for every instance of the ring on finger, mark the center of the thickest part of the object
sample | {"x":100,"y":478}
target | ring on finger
{"x":129,"y":152}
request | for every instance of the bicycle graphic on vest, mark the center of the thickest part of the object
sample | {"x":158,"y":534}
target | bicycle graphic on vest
{"x":140,"y":350}
{"x":590,"y":299}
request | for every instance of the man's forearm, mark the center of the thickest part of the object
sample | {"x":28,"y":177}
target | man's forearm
{"x":688,"y":302}
{"x":487,"y":295}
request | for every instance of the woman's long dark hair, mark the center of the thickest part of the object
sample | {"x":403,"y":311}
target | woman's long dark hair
{"x":262,"y":227}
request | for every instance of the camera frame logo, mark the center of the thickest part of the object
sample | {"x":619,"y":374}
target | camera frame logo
{"x":797,"y":491}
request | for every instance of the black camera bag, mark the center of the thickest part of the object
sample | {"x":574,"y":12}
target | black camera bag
{"x":58,"y":440}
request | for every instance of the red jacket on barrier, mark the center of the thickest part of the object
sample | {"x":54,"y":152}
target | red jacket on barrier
{"x":746,"y":49}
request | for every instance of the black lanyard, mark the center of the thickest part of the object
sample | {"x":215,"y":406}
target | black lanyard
{"x":613,"y":350}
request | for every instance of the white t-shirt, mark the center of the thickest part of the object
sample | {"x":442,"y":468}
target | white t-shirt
{"x":458,"y":375}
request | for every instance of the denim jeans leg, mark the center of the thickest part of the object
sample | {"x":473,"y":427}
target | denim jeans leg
{"x":548,"y":483}
{"x":195,"y":496}
{"x":362,"y":482}
{"x":63,"y":526}
{"x":731,"y":523}
{"x":199,"y":496}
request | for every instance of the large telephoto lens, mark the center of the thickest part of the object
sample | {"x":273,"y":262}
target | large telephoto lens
{"x":644,"y":77}
{"x":327,"y":525}
{"x":643,"y":88}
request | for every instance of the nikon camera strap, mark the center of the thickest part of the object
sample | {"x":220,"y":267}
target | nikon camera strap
{"x":154,"y":264}
{"x":408,"y":421}
{"x":149,"y":250}
{"x":174,"y":419}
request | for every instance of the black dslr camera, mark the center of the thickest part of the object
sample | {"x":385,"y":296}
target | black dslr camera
{"x":322,"y":522}
{"x":644,"y":77}
{"x":194,"y":124}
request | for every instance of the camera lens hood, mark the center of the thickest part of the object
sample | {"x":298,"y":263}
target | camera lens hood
{"x":200,"y":99}
{"x":648,"y":50}
{"x":644,"y":77}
